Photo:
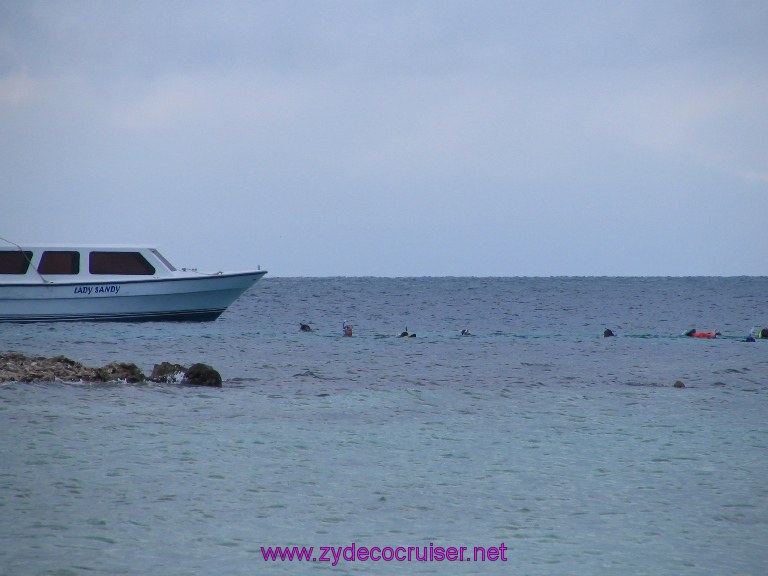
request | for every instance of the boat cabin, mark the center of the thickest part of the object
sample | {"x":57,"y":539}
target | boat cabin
{"x":82,"y":262}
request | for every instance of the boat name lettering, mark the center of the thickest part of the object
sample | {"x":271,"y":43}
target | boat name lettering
{"x":110,"y":289}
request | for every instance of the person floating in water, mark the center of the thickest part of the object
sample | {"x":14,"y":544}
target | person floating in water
{"x":406,"y":334}
{"x":346,"y":329}
{"x":756,"y":333}
{"x":305,"y":327}
{"x":608,"y":333}
{"x":692,"y":333}
{"x":761,"y":333}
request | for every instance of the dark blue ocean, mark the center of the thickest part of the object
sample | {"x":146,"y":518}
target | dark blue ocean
{"x":571,"y":452}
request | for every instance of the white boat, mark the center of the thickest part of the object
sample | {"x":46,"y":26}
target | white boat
{"x":49,"y":283}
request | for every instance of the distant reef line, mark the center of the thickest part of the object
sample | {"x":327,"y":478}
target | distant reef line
{"x":18,"y":367}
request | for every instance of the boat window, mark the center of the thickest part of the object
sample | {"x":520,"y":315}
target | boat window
{"x":131,"y":263}
{"x":59,"y":262}
{"x":14,"y":261}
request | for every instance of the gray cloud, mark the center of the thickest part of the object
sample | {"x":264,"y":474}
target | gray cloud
{"x":392,"y":138}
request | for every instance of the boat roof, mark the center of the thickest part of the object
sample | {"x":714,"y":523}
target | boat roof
{"x":72,"y":246}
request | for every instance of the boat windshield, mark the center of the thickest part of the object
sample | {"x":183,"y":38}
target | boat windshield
{"x":163,"y":260}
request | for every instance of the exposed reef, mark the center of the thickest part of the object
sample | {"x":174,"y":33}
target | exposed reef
{"x":17,"y":367}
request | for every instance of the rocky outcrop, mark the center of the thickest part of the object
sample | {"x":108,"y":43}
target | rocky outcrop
{"x":17,"y":367}
{"x":120,"y":371}
{"x":168,"y":373}
{"x":202,"y":375}
{"x":195,"y":375}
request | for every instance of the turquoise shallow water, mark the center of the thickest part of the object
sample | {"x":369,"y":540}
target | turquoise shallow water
{"x":571,"y":449}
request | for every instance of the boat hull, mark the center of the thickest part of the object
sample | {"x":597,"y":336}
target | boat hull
{"x":199,"y":298}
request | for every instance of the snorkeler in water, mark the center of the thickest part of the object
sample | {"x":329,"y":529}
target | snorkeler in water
{"x":406,"y":334}
{"x":692,"y":333}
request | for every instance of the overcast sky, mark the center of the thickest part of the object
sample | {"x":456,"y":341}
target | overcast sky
{"x":392,"y":138}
